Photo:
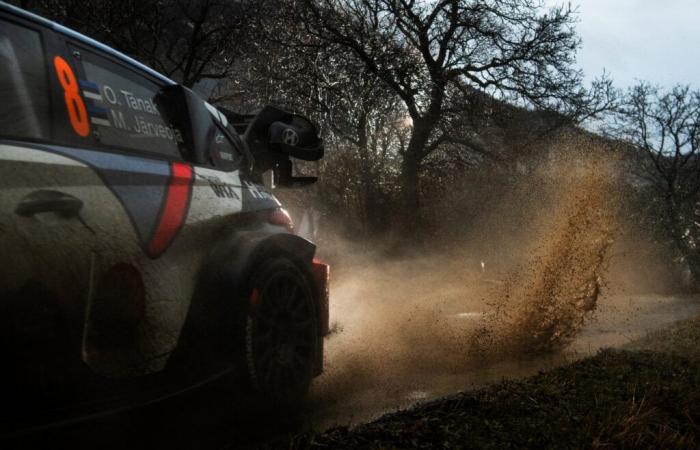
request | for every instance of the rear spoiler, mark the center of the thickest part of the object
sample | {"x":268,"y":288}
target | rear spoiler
{"x":239,"y":122}
{"x":273,"y":136}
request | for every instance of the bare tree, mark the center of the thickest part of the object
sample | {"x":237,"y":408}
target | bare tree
{"x":429,"y":51}
{"x":665,"y":126}
{"x":357,"y":113}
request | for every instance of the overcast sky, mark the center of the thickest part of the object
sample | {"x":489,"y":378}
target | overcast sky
{"x":652,"y":40}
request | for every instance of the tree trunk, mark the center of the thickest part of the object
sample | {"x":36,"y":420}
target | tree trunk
{"x":693,"y":260}
{"x":410,"y":181}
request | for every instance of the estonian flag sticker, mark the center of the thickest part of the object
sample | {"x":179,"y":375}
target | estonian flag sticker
{"x":98,"y":114}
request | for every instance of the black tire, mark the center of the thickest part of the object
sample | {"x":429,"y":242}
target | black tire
{"x":280,"y":333}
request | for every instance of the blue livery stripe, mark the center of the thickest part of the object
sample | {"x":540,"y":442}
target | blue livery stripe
{"x":140,"y":184}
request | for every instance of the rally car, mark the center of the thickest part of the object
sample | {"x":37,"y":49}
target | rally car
{"x":137,"y":236}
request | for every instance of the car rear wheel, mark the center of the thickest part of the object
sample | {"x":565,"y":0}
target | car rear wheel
{"x":280,"y":334}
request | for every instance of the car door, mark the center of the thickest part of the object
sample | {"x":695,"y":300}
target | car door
{"x":180,"y":205}
{"x":143,"y":284}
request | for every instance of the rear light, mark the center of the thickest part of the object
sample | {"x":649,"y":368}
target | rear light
{"x":280,"y":216}
{"x":322,"y":276}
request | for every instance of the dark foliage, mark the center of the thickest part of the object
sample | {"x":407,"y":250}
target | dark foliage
{"x":187,"y":40}
{"x":617,"y":399}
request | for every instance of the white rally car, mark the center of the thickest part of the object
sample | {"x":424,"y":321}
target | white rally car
{"x":136,"y":235}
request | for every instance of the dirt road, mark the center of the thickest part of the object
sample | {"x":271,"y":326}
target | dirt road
{"x":373,"y":367}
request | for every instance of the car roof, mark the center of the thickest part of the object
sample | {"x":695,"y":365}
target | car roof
{"x":15,"y":11}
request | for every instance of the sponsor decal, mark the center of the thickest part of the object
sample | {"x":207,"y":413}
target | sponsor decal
{"x":90,"y":90}
{"x":75,"y":106}
{"x":290,"y":137}
{"x":127,"y":113}
{"x":226,"y":156}
{"x":98,"y":114}
{"x":220,"y":188}
{"x":223,"y":190}
{"x":255,"y":192}
{"x":155,"y":194}
{"x":174,"y":209}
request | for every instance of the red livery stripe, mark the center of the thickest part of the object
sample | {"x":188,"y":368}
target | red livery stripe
{"x":174,"y":211}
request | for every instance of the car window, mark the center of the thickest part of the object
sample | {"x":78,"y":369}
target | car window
{"x":24,"y":104}
{"x":122,"y":108}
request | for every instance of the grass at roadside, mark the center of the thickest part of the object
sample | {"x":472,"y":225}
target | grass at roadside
{"x":645,"y":396}
{"x":682,"y":338}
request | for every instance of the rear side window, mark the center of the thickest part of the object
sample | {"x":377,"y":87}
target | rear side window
{"x":24,"y":99}
{"x":122,"y":108}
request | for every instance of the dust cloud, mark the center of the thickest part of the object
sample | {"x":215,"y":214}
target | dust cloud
{"x":506,"y":300}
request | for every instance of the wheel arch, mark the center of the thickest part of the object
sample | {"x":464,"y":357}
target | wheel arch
{"x":220,"y":289}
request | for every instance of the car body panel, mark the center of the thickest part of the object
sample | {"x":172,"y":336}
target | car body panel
{"x":124,"y":199}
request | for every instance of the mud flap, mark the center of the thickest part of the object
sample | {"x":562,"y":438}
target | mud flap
{"x":321,"y":276}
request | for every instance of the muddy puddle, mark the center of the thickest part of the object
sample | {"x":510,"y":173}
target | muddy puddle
{"x":392,"y":352}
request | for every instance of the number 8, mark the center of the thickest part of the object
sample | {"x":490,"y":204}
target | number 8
{"x":74,"y":103}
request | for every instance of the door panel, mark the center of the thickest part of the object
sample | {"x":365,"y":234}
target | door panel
{"x":124,"y":207}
